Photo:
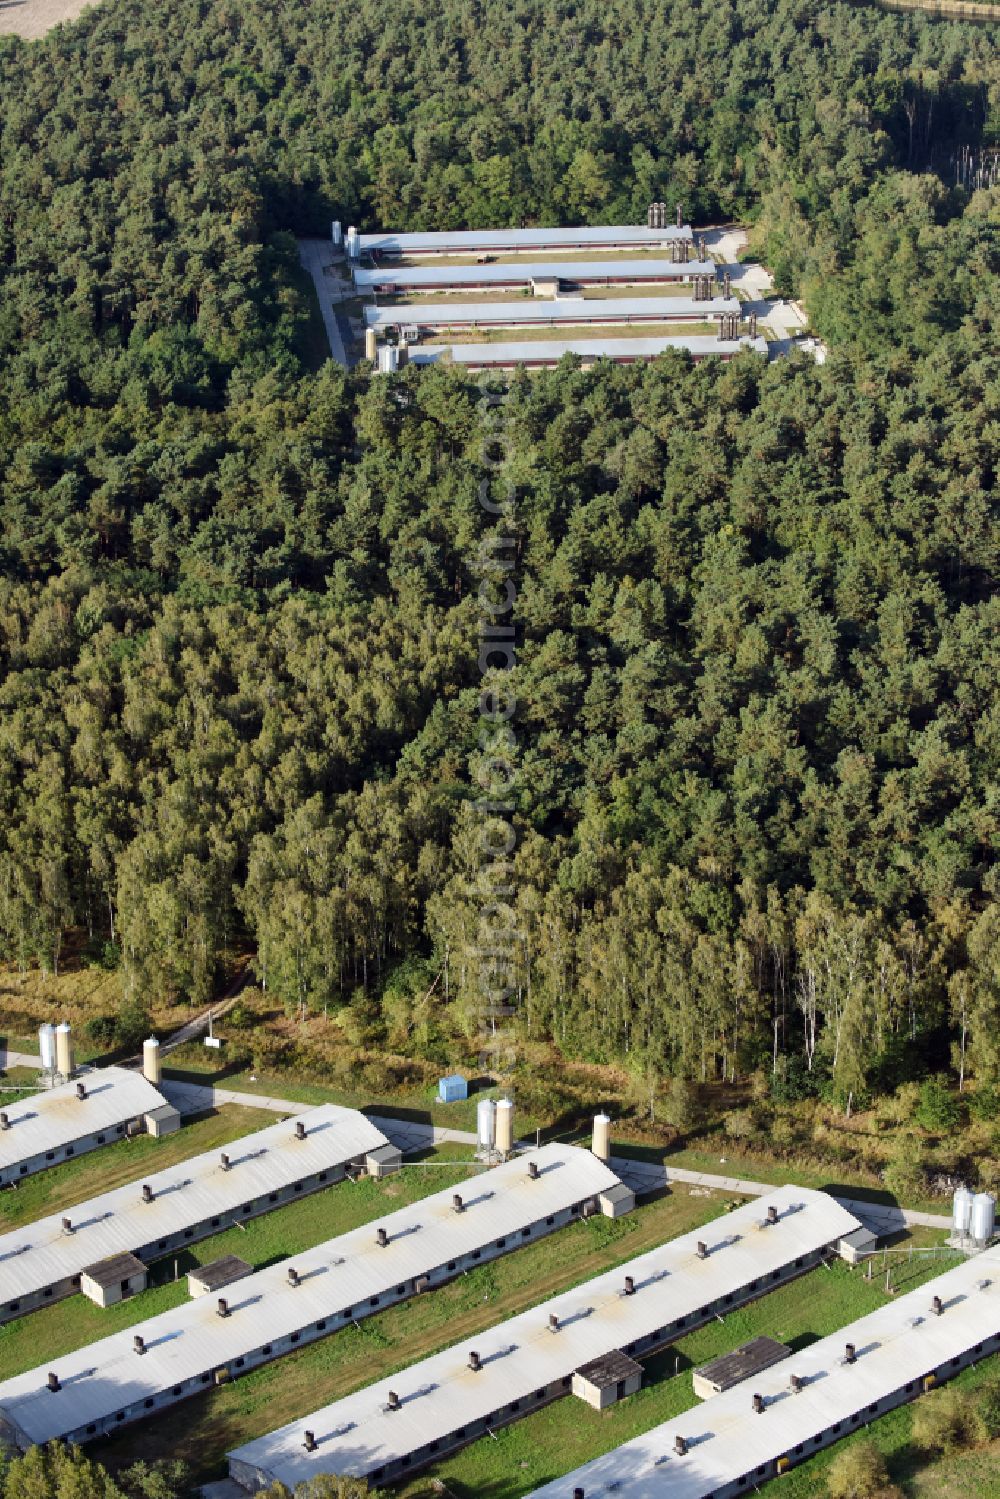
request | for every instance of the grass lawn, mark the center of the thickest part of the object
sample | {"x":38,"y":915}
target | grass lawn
{"x":73,"y":1323}
{"x":112,"y":1165}
{"x":567,"y":1433}
{"x":557,"y":331}
{"x":744,"y":1161}
{"x":196,"y":1067}
{"x":202,"y":1429}
{"x":553,"y":257}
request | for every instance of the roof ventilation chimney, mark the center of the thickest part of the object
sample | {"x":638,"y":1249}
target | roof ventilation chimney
{"x":225,"y":1161}
{"x":772,"y":1215}
{"x":702,"y":1250}
{"x":937,"y":1306}
{"x":456,"y":1202}
{"x":293,"y":1276}
{"x":629,"y":1286}
{"x":475,"y":1362}
{"x":139,"y":1343}
{"x":81,"y":1091}
{"x":67,"y":1225}
{"x":578,"y":1494}
{"x":795,"y":1383}
{"x":393,"y":1401}
{"x":4,"y":1120}
{"x":309,"y":1441}
{"x":533,"y":1170}
{"x":850,"y":1353}
{"x":680,"y":1446}
{"x":147,"y":1192}
{"x":300,"y":1130}
{"x":553,"y":1322}
{"x":381,"y":1238}
{"x":758,"y":1405}
{"x":222,"y":1307}
{"x":54,"y":1384}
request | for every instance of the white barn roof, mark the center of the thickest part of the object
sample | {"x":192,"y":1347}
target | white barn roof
{"x":41,"y":1254}
{"x":470,"y":241}
{"x":360,"y":1434}
{"x":727,"y":1439}
{"x":546,"y":351}
{"x":572,"y":310}
{"x":519,"y":273}
{"x":107,"y":1376}
{"x":56,"y":1117}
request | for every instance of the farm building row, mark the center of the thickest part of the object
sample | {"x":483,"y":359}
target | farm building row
{"x":391,"y":279}
{"x":543,"y":352}
{"x":580,"y":1340}
{"x":576,"y":312}
{"x":55,"y":1124}
{"x":521,"y":241}
{"x":757,"y":1430}
{"x":170,"y":1209}
{"x":121,"y":1378}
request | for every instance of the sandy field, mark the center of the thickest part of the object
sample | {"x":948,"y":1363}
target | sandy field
{"x":33,"y":18}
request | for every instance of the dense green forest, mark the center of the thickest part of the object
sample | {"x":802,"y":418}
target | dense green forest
{"x":756,"y":678}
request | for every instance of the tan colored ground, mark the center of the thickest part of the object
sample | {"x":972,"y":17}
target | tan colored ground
{"x":33,"y":18}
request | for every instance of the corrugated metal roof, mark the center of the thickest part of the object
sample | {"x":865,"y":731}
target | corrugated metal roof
{"x":41,"y":1253}
{"x":901,"y":1342}
{"x":359,"y":1434}
{"x":55,"y":1117}
{"x":344,"y":1272}
{"x":468,"y":241}
{"x":520,"y":272}
{"x":546,"y":351}
{"x":580,"y":310}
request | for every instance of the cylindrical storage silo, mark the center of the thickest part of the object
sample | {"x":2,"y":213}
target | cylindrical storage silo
{"x":47,"y":1046}
{"x":371,"y":344}
{"x":64,"y":1050}
{"x":486,"y":1128}
{"x":601,"y":1146}
{"x":353,"y":243}
{"x":961,"y":1212}
{"x":388,"y":359}
{"x":402,"y":355}
{"x":336,"y":232}
{"x":151,"y":1069}
{"x":983,"y":1217}
{"x":504,"y":1125}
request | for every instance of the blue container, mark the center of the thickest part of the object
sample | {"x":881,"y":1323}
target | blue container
{"x":452,"y":1089}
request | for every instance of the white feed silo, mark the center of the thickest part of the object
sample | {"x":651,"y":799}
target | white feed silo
{"x":336,"y":232}
{"x":505,"y":1128}
{"x":486,"y":1125}
{"x":983,"y":1217}
{"x":601,"y":1146}
{"x":47,"y":1046}
{"x":961,"y":1212}
{"x":152,"y":1070}
{"x":64,"y":1049}
{"x":353,"y":243}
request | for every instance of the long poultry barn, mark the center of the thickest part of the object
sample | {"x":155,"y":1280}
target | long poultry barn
{"x":574,"y":312}
{"x":170,"y":1209}
{"x":544,"y":353}
{"x":736,"y":1441}
{"x":156,"y":1363}
{"x":522,"y":241}
{"x":390,"y":279}
{"x":55,"y":1124}
{"x":399,"y":1424}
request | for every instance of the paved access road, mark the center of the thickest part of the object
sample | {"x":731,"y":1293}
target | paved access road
{"x":317,"y":257}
